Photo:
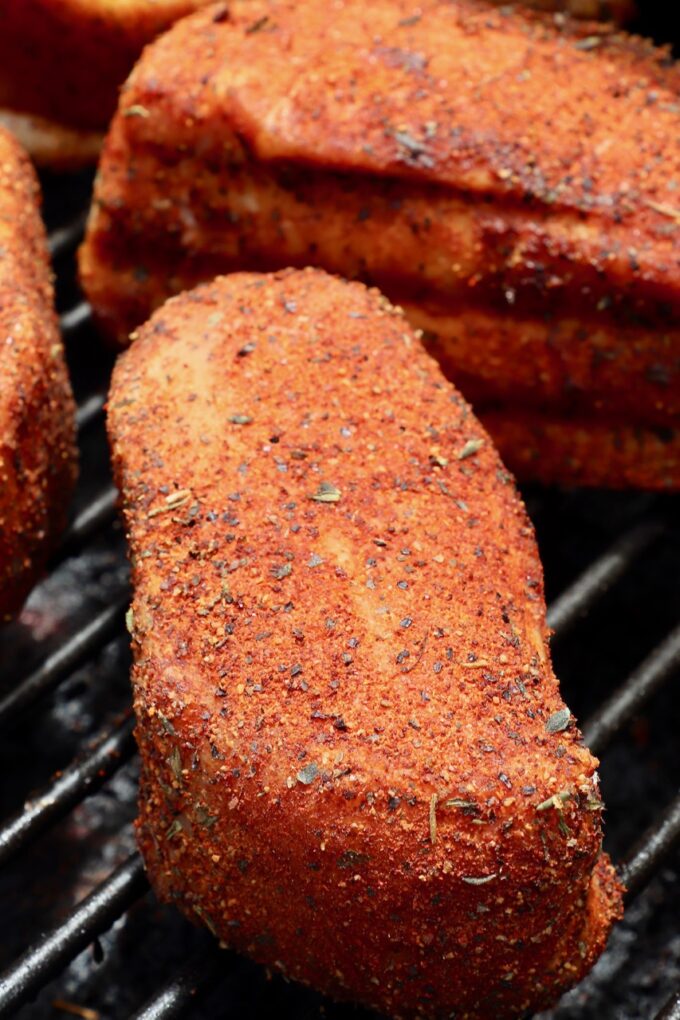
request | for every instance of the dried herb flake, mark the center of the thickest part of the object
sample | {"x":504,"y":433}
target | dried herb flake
{"x":258,"y":25}
{"x":558,"y":721}
{"x":136,"y":111}
{"x":204,"y":818}
{"x":472,"y":447}
{"x":206,"y":918}
{"x":308,"y":774}
{"x":166,"y":724}
{"x":556,"y":801}
{"x":326,"y":493}
{"x":433,"y":818}
{"x":175,"y":762}
{"x":173,"y":829}
{"x":280,"y":572}
{"x":351,"y":859}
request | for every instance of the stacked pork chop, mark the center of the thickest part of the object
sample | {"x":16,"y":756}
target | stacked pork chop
{"x":511,"y":183}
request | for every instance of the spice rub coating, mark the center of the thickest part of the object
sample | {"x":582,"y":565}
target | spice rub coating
{"x":571,"y":450}
{"x":356,"y":764}
{"x":62,"y":63}
{"x":510,"y":182}
{"x":621,"y":11}
{"x":37,"y":434}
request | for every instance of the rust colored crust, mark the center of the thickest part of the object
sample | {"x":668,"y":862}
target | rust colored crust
{"x":347,"y":717}
{"x":542,"y":447}
{"x":37,"y":441}
{"x":621,"y":11}
{"x":513,"y":190}
{"x":65,"y":60}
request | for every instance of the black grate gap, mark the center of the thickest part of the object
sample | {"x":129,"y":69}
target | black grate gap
{"x":653,"y":850}
{"x":575,"y":601}
{"x":74,"y":653}
{"x":177,"y":996}
{"x":64,"y":239}
{"x":671,"y":1011}
{"x":92,"y":916}
{"x":96,"y":516}
{"x":85,"y":775}
{"x":631,"y":696}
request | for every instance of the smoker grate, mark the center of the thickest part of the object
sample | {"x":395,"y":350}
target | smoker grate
{"x":605,"y":552}
{"x":671,"y":1010}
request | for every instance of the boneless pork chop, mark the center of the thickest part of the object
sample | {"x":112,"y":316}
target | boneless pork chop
{"x":62,"y":63}
{"x":356,"y":764}
{"x":37,"y":442}
{"x":509,"y":180}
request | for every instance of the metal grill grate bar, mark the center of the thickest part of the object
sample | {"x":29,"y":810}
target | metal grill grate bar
{"x":54,"y":950}
{"x":650,"y":853}
{"x":671,"y":1011}
{"x":600,"y":575}
{"x":65,"y":238}
{"x":82,"y":777}
{"x":89,"y":410}
{"x":625,"y":702}
{"x":93,"y":519}
{"x":74,"y":318}
{"x":175,"y":998}
{"x":73,"y":653}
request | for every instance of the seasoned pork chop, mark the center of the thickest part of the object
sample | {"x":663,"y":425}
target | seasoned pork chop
{"x":62,"y":63}
{"x":356,"y":765}
{"x":37,"y":442}
{"x":509,"y":182}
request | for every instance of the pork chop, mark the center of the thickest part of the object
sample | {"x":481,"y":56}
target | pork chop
{"x":62,"y":63}
{"x":37,"y":434}
{"x":356,"y":764}
{"x":506,"y":179}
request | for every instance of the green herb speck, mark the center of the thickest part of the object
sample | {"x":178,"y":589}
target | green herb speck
{"x":308,"y":774}
{"x":326,"y":493}
{"x":472,"y":447}
{"x":558,"y":721}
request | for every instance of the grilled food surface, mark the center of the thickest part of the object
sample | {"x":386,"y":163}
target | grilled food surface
{"x":617,"y":10}
{"x":510,"y":182}
{"x":37,"y":441}
{"x":62,"y":63}
{"x":356,"y":765}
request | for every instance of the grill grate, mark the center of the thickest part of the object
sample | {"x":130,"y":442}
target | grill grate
{"x":671,"y":1010}
{"x":646,"y":529}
